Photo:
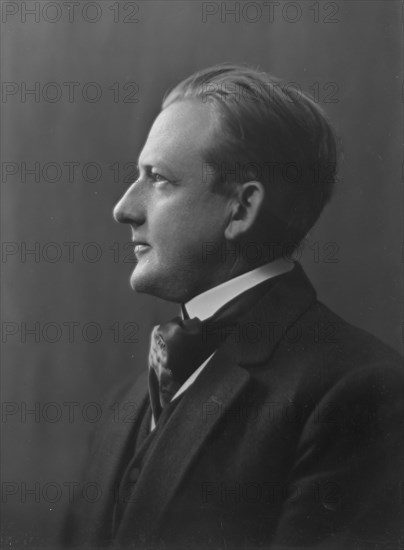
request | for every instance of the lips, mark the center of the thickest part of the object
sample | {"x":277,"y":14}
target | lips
{"x":140,"y":247}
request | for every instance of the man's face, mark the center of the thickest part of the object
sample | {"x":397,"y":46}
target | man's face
{"x":174,"y":214}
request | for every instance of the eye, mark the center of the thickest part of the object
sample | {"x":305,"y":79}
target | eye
{"x":149,"y":173}
{"x":158,"y":177}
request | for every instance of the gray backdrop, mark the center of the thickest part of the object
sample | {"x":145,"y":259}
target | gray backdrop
{"x":72,"y":329}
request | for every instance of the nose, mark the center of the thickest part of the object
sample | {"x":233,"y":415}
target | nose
{"x":130,"y":208}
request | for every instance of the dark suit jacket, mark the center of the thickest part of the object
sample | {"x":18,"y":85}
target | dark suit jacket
{"x":289,"y":438}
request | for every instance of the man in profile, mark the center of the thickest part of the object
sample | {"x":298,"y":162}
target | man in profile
{"x":263,"y":419}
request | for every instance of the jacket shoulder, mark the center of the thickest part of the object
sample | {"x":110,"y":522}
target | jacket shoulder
{"x":320,"y":350}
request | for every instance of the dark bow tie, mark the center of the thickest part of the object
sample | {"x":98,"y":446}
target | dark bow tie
{"x":179,"y":347}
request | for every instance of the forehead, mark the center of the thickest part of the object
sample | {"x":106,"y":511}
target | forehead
{"x":179,"y":135}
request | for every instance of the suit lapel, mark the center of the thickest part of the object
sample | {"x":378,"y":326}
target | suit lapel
{"x":111,"y":454}
{"x":260,"y":330}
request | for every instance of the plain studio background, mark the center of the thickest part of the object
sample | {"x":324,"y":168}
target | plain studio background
{"x":76,"y":297}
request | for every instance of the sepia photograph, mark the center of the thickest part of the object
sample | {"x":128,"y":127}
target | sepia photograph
{"x":202,"y":275}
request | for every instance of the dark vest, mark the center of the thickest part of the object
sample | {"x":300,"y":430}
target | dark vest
{"x":144,"y":444}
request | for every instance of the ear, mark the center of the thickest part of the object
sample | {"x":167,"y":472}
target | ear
{"x":247,"y":204}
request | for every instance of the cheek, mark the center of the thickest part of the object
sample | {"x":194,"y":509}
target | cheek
{"x":187,"y":225}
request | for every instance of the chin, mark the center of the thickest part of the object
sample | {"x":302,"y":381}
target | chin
{"x":158,"y":286}
{"x":141,"y":283}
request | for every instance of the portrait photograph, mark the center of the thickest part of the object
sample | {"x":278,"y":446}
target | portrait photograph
{"x":201,"y":275}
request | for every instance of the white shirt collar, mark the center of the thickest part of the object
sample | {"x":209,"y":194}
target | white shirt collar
{"x":206,"y":304}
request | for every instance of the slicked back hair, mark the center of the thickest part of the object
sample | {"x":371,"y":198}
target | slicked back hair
{"x":269,"y":131}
